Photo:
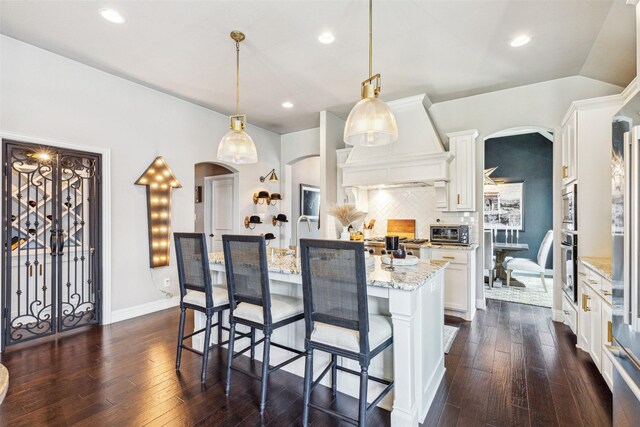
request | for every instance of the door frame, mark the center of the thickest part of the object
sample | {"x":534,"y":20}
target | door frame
{"x":106,"y":209}
{"x":208,"y":182}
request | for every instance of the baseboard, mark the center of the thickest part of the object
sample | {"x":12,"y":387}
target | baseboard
{"x":557,"y":316}
{"x":142,"y":309}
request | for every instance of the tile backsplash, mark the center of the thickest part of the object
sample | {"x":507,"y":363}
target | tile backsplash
{"x":418,"y":203}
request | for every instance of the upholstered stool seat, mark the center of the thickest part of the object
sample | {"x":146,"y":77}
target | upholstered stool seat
{"x":282,"y":307}
{"x":220,"y":297}
{"x":380,"y":330}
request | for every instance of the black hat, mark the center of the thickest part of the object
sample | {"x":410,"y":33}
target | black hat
{"x":269,"y":236}
{"x":255,"y":219}
{"x":281,"y":218}
{"x":263,"y":195}
{"x":276,"y":196}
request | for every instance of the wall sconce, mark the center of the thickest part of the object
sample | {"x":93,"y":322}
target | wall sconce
{"x":251,"y":221}
{"x":279,"y":219}
{"x":261,"y":197}
{"x":270,"y":175}
{"x":160,"y":181}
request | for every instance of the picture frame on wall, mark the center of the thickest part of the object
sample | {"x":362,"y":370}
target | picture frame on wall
{"x":310,"y":201}
{"x":504,"y":206}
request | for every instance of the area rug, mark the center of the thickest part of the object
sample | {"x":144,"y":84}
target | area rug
{"x":450,"y":333}
{"x":532,"y":293}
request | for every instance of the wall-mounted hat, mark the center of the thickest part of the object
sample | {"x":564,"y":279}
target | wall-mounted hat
{"x":276,"y":196}
{"x":281,"y":218}
{"x":269,"y":236}
{"x":255,"y":219}
{"x":251,"y":221}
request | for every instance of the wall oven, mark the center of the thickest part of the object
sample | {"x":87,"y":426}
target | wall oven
{"x":569,"y":211}
{"x":569,"y":265}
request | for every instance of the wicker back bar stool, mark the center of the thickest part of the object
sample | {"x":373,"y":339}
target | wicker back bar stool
{"x":337,"y":320}
{"x":252,"y":304}
{"x":197,"y":293}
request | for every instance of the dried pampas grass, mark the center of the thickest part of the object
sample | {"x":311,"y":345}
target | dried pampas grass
{"x":347,"y":214}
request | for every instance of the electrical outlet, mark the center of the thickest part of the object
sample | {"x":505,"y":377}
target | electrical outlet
{"x":167,"y":282}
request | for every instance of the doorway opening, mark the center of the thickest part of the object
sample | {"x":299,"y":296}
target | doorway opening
{"x":302,"y":183}
{"x":216,"y":202}
{"x":518,"y":216}
{"x":52,"y":233}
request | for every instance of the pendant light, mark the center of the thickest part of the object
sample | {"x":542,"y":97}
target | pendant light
{"x":371,"y":122}
{"x":236,"y":145}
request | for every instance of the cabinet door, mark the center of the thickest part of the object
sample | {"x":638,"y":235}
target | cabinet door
{"x":595,"y":319}
{"x":605,"y":333}
{"x":455,"y":287}
{"x":463,"y":166}
{"x":584,"y":324}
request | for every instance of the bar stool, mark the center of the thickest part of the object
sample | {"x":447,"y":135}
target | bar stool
{"x":253,"y":305}
{"x":337,"y":320}
{"x":197,"y":293}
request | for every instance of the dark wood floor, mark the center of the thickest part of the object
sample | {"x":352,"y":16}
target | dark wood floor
{"x":511,"y":366}
{"x":514,"y":366}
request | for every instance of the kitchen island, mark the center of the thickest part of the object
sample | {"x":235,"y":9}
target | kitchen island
{"x":411,"y":295}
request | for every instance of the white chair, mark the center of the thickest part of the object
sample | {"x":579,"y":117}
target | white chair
{"x":489,"y":259}
{"x":528,"y":265}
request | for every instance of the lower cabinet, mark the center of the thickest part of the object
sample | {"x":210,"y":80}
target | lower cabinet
{"x":459,"y":281}
{"x":594,"y":322}
{"x":570,"y":314}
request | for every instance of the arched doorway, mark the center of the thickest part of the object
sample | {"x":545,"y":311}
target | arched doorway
{"x":518,"y":202}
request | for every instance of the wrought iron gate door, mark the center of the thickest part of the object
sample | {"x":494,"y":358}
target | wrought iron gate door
{"x":51,"y":278}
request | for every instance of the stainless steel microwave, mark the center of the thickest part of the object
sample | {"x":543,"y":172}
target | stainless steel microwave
{"x":450,"y":234}
{"x":569,"y":211}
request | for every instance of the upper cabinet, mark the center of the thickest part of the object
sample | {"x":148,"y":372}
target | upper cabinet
{"x":462,"y":187}
{"x":569,"y":140}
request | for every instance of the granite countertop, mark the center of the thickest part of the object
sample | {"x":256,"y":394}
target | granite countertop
{"x":407,"y":278}
{"x":601,"y":265}
{"x":471,"y":247}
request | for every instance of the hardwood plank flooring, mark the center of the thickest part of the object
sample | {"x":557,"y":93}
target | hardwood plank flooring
{"x":514,"y":366}
{"x":511,"y":366}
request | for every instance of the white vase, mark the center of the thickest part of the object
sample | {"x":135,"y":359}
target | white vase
{"x":345,"y":235}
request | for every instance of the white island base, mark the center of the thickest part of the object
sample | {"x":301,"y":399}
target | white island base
{"x":415,"y":361}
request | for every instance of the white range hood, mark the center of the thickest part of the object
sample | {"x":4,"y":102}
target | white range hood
{"x":417,"y":158}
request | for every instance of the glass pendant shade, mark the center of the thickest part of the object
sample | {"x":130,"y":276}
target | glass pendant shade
{"x":371,"y":123}
{"x":237,"y":147}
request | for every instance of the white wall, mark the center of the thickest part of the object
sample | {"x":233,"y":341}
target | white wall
{"x":331,"y":139}
{"x":306,"y":171}
{"x":541,"y":105}
{"x":294,"y":147}
{"x":44,"y":95}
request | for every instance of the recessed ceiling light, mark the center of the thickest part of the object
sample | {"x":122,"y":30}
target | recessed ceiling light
{"x":287,"y":104}
{"x":520,"y":41}
{"x":112,"y":16}
{"x":326,"y":38}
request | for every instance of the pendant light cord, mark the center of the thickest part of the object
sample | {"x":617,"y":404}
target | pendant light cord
{"x":370,"y":38}
{"x":237,"y":78}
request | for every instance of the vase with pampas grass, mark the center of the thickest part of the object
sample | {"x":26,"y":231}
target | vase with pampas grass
{"x":346,"y":214}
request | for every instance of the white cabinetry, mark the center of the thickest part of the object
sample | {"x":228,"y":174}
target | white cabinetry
{"x":570,"y":314}
{"x":462,"y":187}
{"x":569,"y":142}
{"x":459,"y":281}
{"x":594,"y":318}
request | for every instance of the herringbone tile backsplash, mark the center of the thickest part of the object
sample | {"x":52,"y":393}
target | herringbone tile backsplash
{"x":418,"y":203}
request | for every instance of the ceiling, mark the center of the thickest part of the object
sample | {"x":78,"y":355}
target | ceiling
{"x":447,"y":49}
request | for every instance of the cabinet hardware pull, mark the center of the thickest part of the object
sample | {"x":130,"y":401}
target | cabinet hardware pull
{"x":31,"y":270}
{"x":585,"y":297}
{"x":566,"y":312}
{"x":580,"y":273}
{"x":448,"y":257}
{"x":41,"y":269}
{"x":607,"y":293}
{"x":458,"y":198}
{"x":610,"y":331}
{"x":565,"y":171}
{"x":593,"y":282}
